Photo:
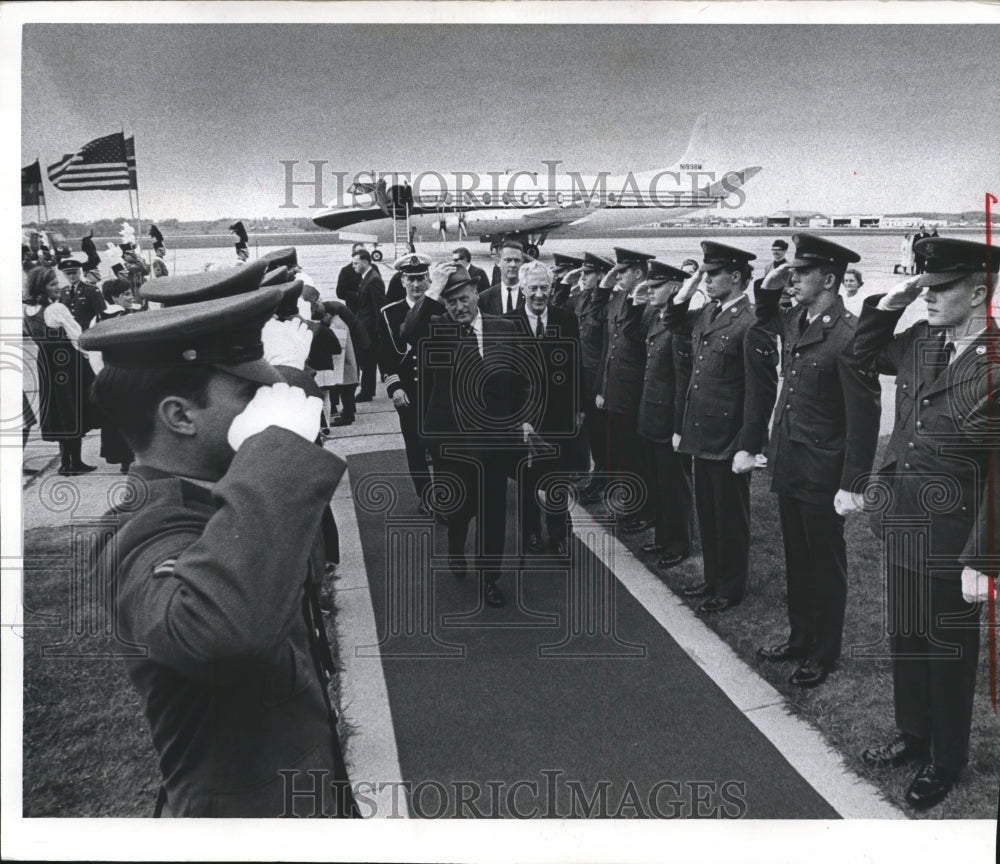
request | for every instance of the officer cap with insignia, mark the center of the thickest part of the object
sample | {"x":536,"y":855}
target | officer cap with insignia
{"x":287,"y":257}
{"x":625,"y":258}
{"x":277,"y":276}
{"x":947,"y":260}
{"x":288,"y":306}
{"x":457,"y":280}
{"x":596,"y":264}
{"x":223,"y":334}
{"x":209,"y":285}
{"x":660,"y":273}
{"x":812,"y":251}
{"x":566,"y":262}
{"x":413,"y":264}
{"x":715,"y":256}
{"x":70,"y":264}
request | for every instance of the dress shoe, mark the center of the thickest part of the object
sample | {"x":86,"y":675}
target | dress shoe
{"x":672,"y":559}
{"x":341,"y":420}
{"x":493,"y":595}
{"x":716,"y":604}
{"x":364,"y":399}
{"x":533,"y":543}
{"x":457,"y":567}
{"x":780,"y":653}
{"x":636,"y":526}
{"x":930,"y":786}
{"x":811,"y":673}
{"x":651,"y":547}
{"x":77,"y":470}
{"x":700,"y":590}
{"x":900,"y":749}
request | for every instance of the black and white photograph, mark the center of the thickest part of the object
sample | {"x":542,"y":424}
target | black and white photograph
{"x":496,"y":423}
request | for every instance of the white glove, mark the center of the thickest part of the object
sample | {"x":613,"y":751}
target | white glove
{"x":399,"y":398}
{"x":676,"y":440}
{"x":286,"y":343}
{"x":599,"y":401}
{"x":845,"y":502}
{"x":277,"y":405}
{"x":305,"y":309}
{"x":975,"y":585}
{"x":901,"y":296}
{"x":743,"y":462}
{"x":689,"y":288}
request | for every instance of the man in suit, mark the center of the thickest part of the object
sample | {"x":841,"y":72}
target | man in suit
{"x":620,"y":387}
{"x":591,"y":308}
{"x":472,"y":397}
{"x":722,"y":428}
{"x":348,"y":281}
{"x":942,"y":551}
{"x":463,"y":257}
{"x":505,"y":296}
{"x":398,"y":362}
{"x":660,"y":417}
{"x":551,"y":338}
{"x":212,"y":578}
{"x":371,"y":299}
{"x":823,"y":440}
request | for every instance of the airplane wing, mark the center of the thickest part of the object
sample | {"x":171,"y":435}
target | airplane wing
{"x":343,"y":218}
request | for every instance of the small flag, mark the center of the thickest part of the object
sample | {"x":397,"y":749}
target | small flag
{"x":99,"y":164}
{"x":133,"y":178}
{"x":32,"y":192}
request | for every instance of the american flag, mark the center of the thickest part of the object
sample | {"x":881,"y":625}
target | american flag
{"x":99,"y":164}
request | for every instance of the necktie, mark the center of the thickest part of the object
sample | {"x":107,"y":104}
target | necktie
{"x":470,"y":337}
{"x":714,"y":313}
{"x":539,"y":328}
{"x":510,"y":300}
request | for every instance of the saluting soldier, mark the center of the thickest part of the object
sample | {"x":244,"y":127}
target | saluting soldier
{"x":661,"y":415}
{"x":620,"y":387}
{"x":212,"y":578}
{"x":591,"y":307}
{"x":565,"y":278}
{"x":398,"y":362}
{"x":941,"y":551}
{"x":823,"y":440}
{"x":722,"y":428}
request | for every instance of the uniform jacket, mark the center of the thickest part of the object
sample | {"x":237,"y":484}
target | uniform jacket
{"x":397,"y":360}
{"x":826,"y":422}
{"x":371,"y":299}
{"x":491,"y":301}
{"x":719,"y":418}
{"x":591,"y":309}
{"x":85,"y":303}
{"x":214,"y":585}
{"x":668,"y":372}
{"x":946,"y":431}
{"x":625,"y":359}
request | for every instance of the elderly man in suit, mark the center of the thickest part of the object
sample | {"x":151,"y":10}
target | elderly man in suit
{"x":473,"y":398}
{"x":823,"y":440}
{"x":722,"y":429}
{"x":505,"y":296}
{"x":942,"y":550}
{"x":551,"y":339}
{"x":661,"y":414}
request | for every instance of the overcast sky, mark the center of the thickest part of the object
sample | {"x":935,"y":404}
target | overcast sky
{"x":842,"y":119}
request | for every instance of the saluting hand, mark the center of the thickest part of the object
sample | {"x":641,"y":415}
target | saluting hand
{"x":277,"y":405}
{"x":689,"y":288}
{"x":901,"y":296}
{"x":845,"y":502}
{"x":286,"y":343}
{"x":778,"y":279}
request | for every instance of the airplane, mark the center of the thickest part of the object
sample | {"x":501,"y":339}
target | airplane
{"x":529,"y":206}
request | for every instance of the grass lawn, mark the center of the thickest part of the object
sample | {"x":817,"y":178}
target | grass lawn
{"x":853,"y":708}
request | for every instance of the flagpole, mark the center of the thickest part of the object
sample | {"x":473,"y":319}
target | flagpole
{"x":138,"y":211}
{"x":41,"y":188}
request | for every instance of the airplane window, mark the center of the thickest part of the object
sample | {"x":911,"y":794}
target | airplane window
{"x":447,"y":198}
{"x":487,"y":198}
{"x":559,"y":198}
{"x":541,"y":197}
{"x":612,"y":197}
{"x":525,"y":199}
{"x":506,"y":198}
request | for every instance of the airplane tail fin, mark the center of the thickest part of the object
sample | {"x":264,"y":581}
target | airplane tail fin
{"x":697,"y":148}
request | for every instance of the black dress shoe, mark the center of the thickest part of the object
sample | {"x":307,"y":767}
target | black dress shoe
{"x":493,"y":595}
{"x":533,"y":543}
{"x":636,"y":526}
{"x":77,"y":470}
{"x":779,"y":653}
{"x":701,"y":590}
{"x":457,"y":567}
{"x":364,"y":399}
{"x":651,"y":547}
{"x":930,"y":786}
{"x":900,"y":749}
{"x":341,"y":420}
{"x":672,"y":559}
{"x":811,"y":673}
{"x":715,"y":604}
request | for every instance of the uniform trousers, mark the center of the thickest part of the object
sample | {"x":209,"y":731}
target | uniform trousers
{"x":935,"y":653}
{"x":595,"y":420}
{"x":722,"y":501}
{"x":672,"y":494}
{"x":416,"y":450}
{"x":482,"y":489}
{"x":626,"y":457}
{"x":816,"y":576}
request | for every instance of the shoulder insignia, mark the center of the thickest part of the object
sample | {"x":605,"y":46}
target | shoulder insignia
{"x":827,"y":319}
{"x":848,"y":314}
{"x":166,"y":568}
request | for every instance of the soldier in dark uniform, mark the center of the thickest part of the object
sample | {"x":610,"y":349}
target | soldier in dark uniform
{"x":84,"y":299}
{"x":591,"y":308}
{"x":565,"y":277}
{"x":822,"y":441}
{"x":212,"y":578}
{"x":941,"y":550}
{"x":723,"y":429}
{"x":661,"y":415}
{"x":620,"y":388}
{"x":399,"y":364}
